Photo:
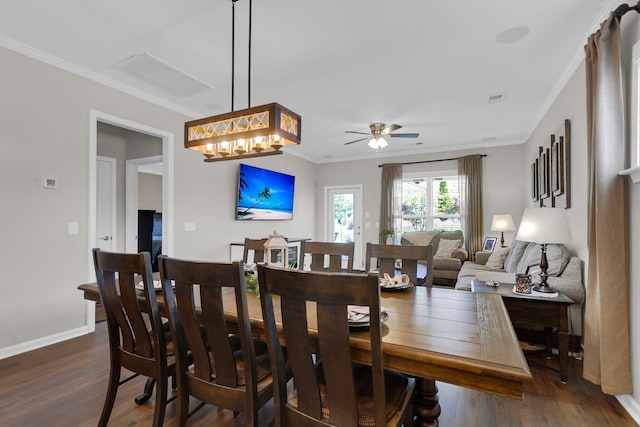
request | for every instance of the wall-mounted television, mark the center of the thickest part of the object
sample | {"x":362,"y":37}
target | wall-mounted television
{"x":264,"y":194}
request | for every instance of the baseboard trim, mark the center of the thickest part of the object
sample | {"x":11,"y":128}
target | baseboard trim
{"x":14,"y":350}
{"x":630,"y":405}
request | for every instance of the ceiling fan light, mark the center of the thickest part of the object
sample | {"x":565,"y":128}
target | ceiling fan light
{"x":382,"y":143}
{"x":373,"y":143}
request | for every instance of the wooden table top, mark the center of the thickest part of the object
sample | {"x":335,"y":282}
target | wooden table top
{"x":458,"y":337}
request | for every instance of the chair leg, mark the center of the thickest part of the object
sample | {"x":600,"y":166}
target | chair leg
{"x":112,"y":390}
{"x":161,"y":402}
{"x":148,"y":391}
{"x":183,"y":407}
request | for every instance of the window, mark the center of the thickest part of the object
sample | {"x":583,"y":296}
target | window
{"x":430,"y":202}
{"x":634,"y":170}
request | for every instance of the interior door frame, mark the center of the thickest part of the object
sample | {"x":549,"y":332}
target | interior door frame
{"x":167,"y":138}
{"x":358,"y":250}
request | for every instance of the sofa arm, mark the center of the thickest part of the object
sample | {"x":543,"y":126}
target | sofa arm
{"x":461,"y":254}
{"x":482,"y":257}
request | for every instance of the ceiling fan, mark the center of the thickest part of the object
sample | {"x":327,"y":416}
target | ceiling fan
{"x":378,"y":130}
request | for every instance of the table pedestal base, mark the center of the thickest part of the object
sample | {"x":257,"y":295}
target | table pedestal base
{"x":426,"y":404}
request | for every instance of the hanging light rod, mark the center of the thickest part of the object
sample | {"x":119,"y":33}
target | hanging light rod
{"x":252,"y":132}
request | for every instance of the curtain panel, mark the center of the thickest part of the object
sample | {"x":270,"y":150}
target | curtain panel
{"x":470,"y":189}
{"x":606,"y":339}
{"x":390,"y":199}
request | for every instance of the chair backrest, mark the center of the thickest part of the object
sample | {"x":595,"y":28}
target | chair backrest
{"x":194,"y":299}
{"x":130,"y":340}
{"x":255,"y":246}
{"x":333,"y":250}
{"x":332,"y":293}
{"x":409,"y":256}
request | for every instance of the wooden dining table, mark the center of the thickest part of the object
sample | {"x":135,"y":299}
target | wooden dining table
{"x":432,"y":334}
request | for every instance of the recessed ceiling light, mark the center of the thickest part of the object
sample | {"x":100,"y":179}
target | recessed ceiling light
{"x":513,"y":35}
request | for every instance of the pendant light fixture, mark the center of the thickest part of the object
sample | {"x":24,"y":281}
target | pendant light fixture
{"x":252,"y":132}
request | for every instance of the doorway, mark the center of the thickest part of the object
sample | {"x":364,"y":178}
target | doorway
{"x":343,"y":218}
{"x":167,"y":140}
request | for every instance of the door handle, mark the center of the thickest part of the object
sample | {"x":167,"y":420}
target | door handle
{"x":104,"y":238}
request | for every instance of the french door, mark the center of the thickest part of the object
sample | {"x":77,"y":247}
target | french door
{"x":343,"y":218}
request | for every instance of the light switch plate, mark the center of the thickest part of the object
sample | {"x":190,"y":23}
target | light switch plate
{"x":72,"y":228}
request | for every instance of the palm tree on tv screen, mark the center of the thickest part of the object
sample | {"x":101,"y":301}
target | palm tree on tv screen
{"x":264,"y":195}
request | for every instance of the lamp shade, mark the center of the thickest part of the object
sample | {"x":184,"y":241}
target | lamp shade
{"x":544,"y":225}
{"x":502,"y":223}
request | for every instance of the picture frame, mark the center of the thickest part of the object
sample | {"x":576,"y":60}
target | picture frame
{"x":535,"y":194}
{"x":489,"y":243}
{"x":544,"y":187}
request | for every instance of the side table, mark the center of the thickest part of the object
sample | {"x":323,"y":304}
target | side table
{"x":548,"y":312}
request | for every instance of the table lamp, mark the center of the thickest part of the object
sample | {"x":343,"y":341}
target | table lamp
{"x":502,"y":223}
{"x":544,"y":226}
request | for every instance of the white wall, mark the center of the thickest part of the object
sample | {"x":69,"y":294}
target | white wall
{"x":44,"y":131}
{"x":150,"y":191}
{"x":498,"y":168}
{"x":570,"y":104}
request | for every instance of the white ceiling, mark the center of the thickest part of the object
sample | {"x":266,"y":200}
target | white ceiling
{"x":427,"y":65}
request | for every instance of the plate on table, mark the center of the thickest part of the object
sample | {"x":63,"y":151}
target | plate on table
{"x":359,"y":316}
{"x":387,"y":287}
{"x":157,"y":286}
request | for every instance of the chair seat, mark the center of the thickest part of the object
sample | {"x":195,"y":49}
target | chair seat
{"x":263,"y":368}
{"x":395,"y":393}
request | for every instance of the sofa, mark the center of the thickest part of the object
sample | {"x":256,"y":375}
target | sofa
{"x":565,"y":272}
{"x":448,"y":256}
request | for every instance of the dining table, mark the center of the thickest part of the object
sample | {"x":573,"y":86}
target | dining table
{"x":432,"y":334}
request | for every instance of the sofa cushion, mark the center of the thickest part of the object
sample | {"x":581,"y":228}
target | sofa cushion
{"x":515,"y":255}
{"x":557,"y":256}
{"x":417,"y":238}
{"x":496,"y":259}
{"x":445,"y":263}
{"x":446,"y":247}
{"x":449,"y":235}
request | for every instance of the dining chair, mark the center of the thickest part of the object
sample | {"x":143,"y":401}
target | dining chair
{"x":255,"y":247}
{"x":136,"y":341}
{"x":405,"y":259}
{"x":230,"y":370}
{"x":336,"y":391}
{"x":335,"y":251}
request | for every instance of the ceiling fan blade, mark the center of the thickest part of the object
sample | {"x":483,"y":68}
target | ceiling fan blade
{"x":404,"y":135}
{"x":357,"y":140}
{"x":359,"y":133}
{"x":387,"y":130}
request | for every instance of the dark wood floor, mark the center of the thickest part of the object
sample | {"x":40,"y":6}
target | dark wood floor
{"x":64,"y":385}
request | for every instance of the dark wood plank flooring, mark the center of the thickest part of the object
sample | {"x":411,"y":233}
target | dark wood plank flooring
{"x":64,"y":385}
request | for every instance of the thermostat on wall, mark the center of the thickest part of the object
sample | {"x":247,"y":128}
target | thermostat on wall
{"x":51,"y":183}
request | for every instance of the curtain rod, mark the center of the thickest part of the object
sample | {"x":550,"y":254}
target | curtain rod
{"x":432,"y":161}
{"x":624,"y":8}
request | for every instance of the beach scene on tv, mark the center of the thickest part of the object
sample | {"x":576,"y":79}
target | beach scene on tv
{"x":264,"y":194}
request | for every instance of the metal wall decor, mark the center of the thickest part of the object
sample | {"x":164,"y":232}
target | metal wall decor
{"x":551,"y":170}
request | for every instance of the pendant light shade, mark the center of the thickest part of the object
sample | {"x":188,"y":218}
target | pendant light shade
{"x":252,"y":132}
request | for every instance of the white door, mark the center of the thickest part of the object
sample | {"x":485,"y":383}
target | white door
{"x":105,"y":203}
{"x":343,"y":218}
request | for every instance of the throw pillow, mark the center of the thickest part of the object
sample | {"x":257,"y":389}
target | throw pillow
{"x":446,"y":247}
{"x":496,"y":260}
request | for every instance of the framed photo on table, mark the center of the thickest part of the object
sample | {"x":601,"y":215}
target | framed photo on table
{"x":489,"y":243}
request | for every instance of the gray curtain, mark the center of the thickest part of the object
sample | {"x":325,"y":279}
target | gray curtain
{"x":606,"y":339}
{"x":390,"y":199}
{"x":470,"y":183}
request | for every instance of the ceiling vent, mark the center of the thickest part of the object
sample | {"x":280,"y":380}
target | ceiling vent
{"x":155,"y":72}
